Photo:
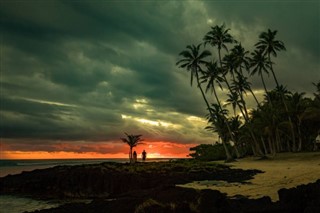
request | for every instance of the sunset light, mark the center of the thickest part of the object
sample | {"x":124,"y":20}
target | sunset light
{"x":154,"y":150}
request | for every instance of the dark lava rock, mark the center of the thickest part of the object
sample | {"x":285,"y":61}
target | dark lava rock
{"x":171,"y":199}
{"x":303,"y":198}
{"x":144,"y":188}
{"x":111,"y":179}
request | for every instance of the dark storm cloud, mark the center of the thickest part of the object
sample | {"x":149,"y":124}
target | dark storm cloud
{"x":91,"y":70}
{"x":297,"y":21}
{"x":298,"y":25}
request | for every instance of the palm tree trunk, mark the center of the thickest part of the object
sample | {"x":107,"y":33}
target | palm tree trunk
{"x":264,"y":146}
{"x":254,"y":96}
{"x":285,"y":106}
{"x":130,"y":155}
{"x":265,"y":88}
{"x":219,"y":104}
{"x":271,"y":68}
{"x":229,"y":156}
{"x":299,"y":135}
{"x":228,"y":126}
{"x":270,"y":146}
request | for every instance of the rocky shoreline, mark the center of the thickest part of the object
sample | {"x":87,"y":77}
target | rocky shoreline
{"x":151,"y":187}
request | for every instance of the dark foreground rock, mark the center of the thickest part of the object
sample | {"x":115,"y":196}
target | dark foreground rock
{"x":150,"y":187}
{"x":111,"y":179}
{"x":171,"y":199}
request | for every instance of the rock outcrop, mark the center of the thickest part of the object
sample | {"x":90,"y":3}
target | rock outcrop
{"x":111,"y":179}
{"x":150,"y":187}
{"x":171,"y":199}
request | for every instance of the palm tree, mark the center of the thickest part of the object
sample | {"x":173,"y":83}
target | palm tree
{"x":240,"y":61}
{"x":132,"y":141}
{"x":297,"y":106}
{"x":219,"y":121}
{"x":283,"y":93}
{"x":229,"y":64}
{"x":234,"y":101}
{"x":212,"y":76}
{"x":268,"y":45}
{"x":240,"y":57}
{"x":260,"y":65}
{"x":238,"y":88}
{"x":219,"y":36}
{"x":192,"y":61}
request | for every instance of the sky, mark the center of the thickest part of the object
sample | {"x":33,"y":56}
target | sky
{"x":77,"y":75}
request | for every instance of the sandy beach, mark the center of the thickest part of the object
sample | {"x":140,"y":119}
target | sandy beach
{"x":286,"y":170}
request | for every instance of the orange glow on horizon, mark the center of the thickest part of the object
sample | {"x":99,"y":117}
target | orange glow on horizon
{"x":153,"y":149}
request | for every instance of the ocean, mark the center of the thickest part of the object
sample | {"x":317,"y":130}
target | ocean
{"x":15,"y":204}
{"x":12,"y":167}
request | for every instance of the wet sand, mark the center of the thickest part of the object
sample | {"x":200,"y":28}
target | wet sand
{"x":286,"y":170}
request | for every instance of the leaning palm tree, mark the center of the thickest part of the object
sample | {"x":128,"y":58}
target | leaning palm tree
{"x":212,"y":75}
{"x":260,"y":65}
{"x":297,"y":106}
{"x":240,"y":61}
{"x":219,"y":36}
{"x":219,"y":122}
{"x":240,"y":57}
{"x":192,"y":61}
{"x":132,"y":141}
{"x":268,"y":45}
{"x":234,"y":101}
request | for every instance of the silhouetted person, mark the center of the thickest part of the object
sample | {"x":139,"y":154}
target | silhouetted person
{"x":144,"y":155}
{"x":134,"y":156}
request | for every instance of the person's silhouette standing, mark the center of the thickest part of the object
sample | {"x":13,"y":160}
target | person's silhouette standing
{"x":144,"y":155}
{"x":134,"y":156}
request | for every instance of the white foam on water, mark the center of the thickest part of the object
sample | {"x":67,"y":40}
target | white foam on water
{"x":13,"y":204}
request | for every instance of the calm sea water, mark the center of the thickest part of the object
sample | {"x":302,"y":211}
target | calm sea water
{"x":13,"y":167}
{"x":15,"y":204}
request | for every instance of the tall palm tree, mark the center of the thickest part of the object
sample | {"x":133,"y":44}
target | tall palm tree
{"x":234,"y":101}
{"x":243,"y":83}
{"x":219,"y":121}
{"x":238,"y":87}
{"x":229,"y":64}
{"x":268,"y":45}
{"x":297,"y":106}
{"x":219,"y":36}
{"x":132,"y":141}
{"x":241,"y":58}
{"x":240,"y":61}
{"x":260,"y":65}
{"x":192,"y":61}
{"x":212,"y":76}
